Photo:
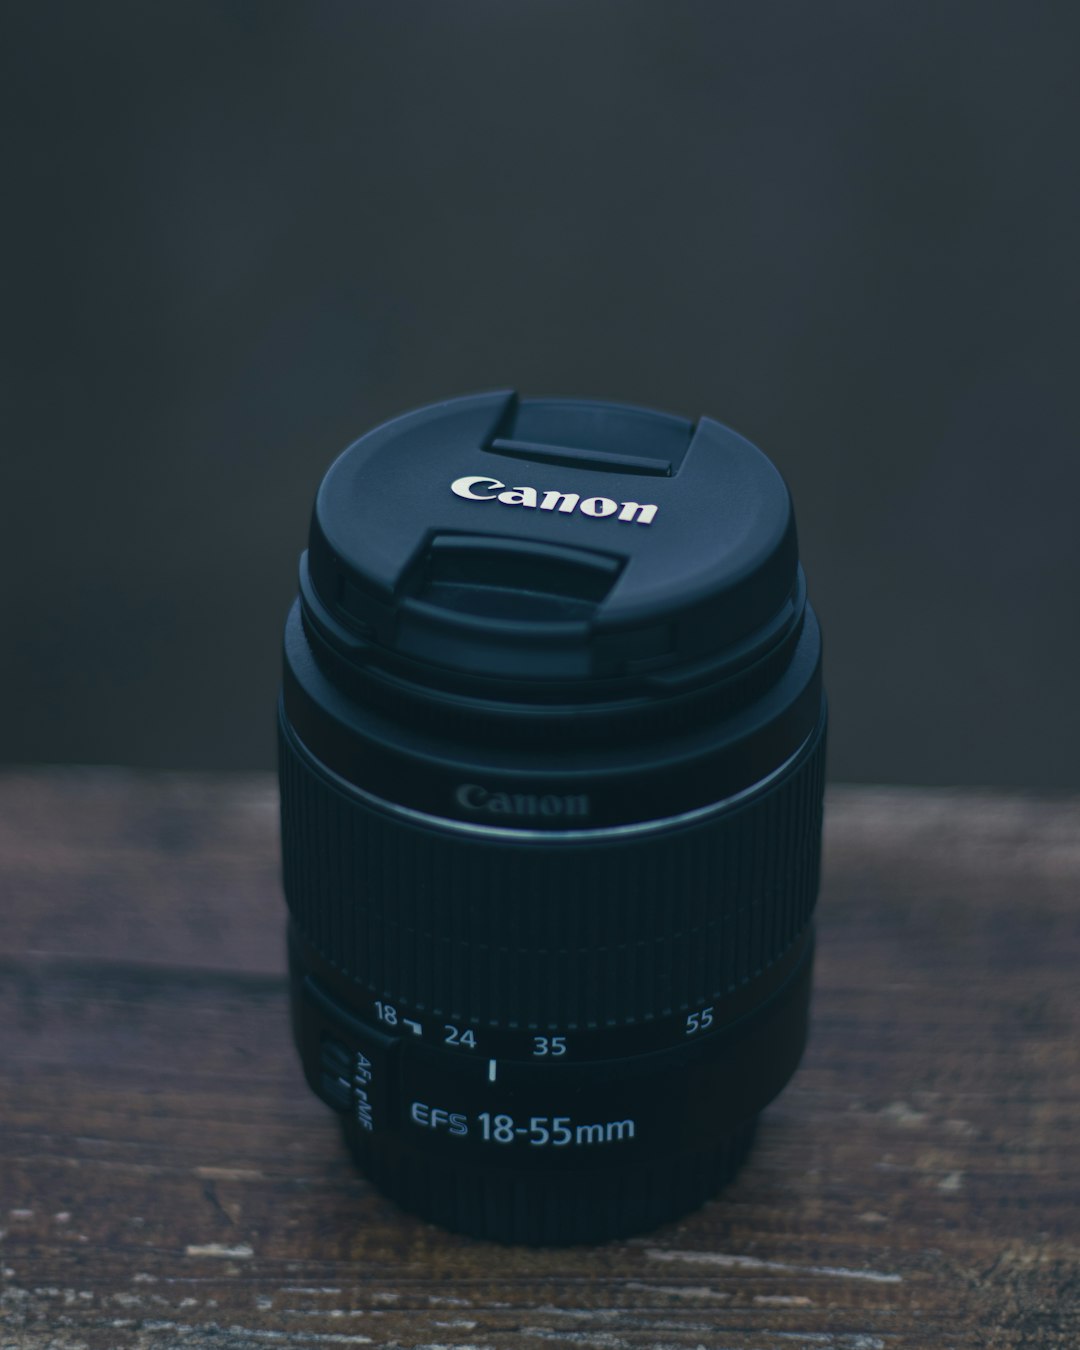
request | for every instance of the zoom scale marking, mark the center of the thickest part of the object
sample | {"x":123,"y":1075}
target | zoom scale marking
{"x":694,"y":1087}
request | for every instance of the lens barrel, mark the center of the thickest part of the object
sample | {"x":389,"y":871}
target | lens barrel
{"x":551,"y":754}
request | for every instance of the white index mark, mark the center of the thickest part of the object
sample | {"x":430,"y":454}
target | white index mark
{"x":491,"y":1071}
{"x":417,"y":1029}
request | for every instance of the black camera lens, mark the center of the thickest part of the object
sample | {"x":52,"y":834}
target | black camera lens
{"x":552,"y":735}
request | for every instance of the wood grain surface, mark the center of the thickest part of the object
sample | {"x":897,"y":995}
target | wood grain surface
{"x":166,"y":1178}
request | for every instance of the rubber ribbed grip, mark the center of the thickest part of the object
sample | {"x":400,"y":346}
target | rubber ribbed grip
{"x":605,"y":930}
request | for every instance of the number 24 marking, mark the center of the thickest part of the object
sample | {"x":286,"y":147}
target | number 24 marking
{"x":454,"y":1036}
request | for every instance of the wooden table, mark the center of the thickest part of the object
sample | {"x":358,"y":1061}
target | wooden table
{"x":166,"y":1178}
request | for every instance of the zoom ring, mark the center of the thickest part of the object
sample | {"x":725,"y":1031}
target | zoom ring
{"x":552,"y":933}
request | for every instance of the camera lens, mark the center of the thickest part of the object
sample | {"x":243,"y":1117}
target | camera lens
{"x":551,"y":744}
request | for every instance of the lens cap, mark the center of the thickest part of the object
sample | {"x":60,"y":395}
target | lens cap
{"x":553,"y":540}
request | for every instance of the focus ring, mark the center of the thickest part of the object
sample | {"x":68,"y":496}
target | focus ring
{"x":552,"y":932}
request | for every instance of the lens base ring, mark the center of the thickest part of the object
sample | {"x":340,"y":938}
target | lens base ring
{"x":550,"y":1208}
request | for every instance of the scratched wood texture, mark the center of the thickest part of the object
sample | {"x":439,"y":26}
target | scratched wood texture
{"x":166,"y":1179}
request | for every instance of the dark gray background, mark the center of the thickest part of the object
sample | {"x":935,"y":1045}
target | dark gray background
{"x":240,"y":234}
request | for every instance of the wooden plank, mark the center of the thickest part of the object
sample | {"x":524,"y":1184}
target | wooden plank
{"x":166,"y":1179}
{"x":158,"y":869}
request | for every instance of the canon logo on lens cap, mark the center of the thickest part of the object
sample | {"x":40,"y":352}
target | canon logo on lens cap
{"x":479,"y":488}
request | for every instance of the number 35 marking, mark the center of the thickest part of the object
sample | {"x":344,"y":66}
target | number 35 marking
{"x":549,"y":1045}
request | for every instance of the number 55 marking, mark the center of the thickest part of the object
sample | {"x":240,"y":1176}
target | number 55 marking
{"x":698,"y":1021}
